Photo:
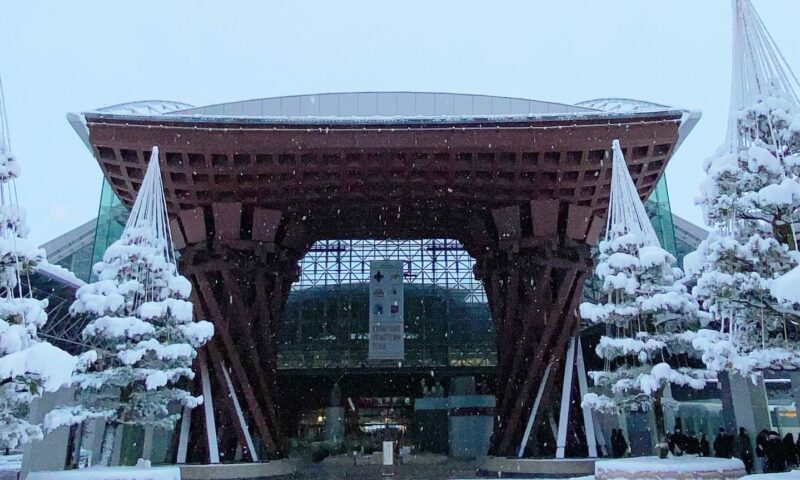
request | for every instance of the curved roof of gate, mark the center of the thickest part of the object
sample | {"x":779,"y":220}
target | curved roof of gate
{"x":382,"y":108}
{"x":455,"y":153}
{"x":385,"y":104}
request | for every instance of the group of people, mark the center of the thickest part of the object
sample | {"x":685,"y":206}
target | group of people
{"x":776,"y":454}
{"x":679,"y":443}
{"x":727,"y":445}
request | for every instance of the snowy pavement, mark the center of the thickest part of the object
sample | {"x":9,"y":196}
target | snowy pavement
{"x":10,"y":466}
{"x":793,"y":475}
{"x":687,"y":467}
{"x":111,"y":473}
{"x":587,"y":477}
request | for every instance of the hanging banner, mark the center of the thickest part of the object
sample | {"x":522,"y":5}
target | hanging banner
{"x":386,"y":322}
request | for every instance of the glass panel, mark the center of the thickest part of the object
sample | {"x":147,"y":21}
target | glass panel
{"x":447,"y":318}
{"x":111,"y":219}
{"x":660,"y":212}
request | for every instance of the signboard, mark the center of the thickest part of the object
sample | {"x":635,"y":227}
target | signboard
{"x":386,"y":325}
{"x":388,"y":453}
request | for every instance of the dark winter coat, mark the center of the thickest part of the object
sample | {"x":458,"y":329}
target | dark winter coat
{"x":761,"y":442}
{"x":789,"y":450}
{"x":619,"y":446}
{"x":730,"y":439}
{"x":705,"y":448}
{"x":615,"y":444}
{"x":678,"y":443}
{"x":692,"y":445}
{"x":773,"y":451}
{"x":721,"y":445}
{"x":746,"y":450}
{"x":797,"y":449}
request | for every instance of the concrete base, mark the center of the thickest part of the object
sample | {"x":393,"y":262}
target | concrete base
{"x":377,"y":459}
{"x":745,"y":403}
{"x":687,"y":467}
{"x":51,"y":453}
{"x":430,"y":424}
{"x":501,"y":467}
{"x":470,"y":424}
{"x":334,"y":424}
{"x":239,"y":471}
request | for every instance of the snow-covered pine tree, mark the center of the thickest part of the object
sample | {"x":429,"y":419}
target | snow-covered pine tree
{"x":647,"y":311}
{"x":28,"y":365}
{"x":751,"y":198}
{"x":141,"y":324}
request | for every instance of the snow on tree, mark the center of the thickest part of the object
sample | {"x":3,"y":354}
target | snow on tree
{"x":786,"y":290}
{"x":647,"y":312}
{"x":28,"y":365}
{"x":751,"y":198}
{"x":142,"y":326}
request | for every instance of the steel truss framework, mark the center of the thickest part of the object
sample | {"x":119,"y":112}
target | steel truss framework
{"x":447,"y":317}
{"x":62,"y":329}
{"x":439,"y":262}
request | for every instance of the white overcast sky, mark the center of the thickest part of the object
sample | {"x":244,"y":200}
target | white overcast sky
{"x":58,"y":56}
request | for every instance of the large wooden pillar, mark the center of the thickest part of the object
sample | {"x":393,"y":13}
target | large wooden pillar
{"x":533,"y":265}
{"x":241,"y":275}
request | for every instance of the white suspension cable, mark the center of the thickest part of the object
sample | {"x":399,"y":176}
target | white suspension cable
{"x":12,"y":225}
{"x":5,"y":137}
{"x":625,"y":208}
{"x":759,"y":70}
{"x":149,"y":212}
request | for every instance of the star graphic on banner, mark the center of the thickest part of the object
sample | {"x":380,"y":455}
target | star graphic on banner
{"x":378,"y":276}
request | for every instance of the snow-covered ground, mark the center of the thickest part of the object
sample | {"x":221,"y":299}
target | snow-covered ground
{"x":111,"y":473}
{"x":793,"y":475}
{"x":587,"y":477}
{"x":686,"y":467}
{"x":10,"y":465}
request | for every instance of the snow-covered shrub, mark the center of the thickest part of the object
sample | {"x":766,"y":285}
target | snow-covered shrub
{"x":647,"y":311}
{"x":646,"y":315}
{"x":28,"y":365}
{"x":142,"y":328}
{"x":751,"y":197}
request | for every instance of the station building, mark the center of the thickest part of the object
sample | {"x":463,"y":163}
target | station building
{"x":286,"y":202}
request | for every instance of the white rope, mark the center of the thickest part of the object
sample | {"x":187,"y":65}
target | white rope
{"x":759,"y":70}
{"x":149,"y":212}
{"x":148,"y":222}
{"x":625,"y":208}
{"x":5,"y":138}
{"x":9,"y":206}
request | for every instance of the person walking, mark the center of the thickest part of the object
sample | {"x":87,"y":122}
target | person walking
{"x":692,"y":444}
{"x":705,"y":448}
{"x":730,"y":440}
{"x":789,"y":451}
{"x":618,"y":444}
{"x":773,"y":452}
{"x":746,"y":450}
{"x":761,"y":447}
{"x":677,"y":442}
{"x":797,"y":449}
{"x":614,"y":452}
{"x":623,"y":444}
{"x":721,"y":445}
